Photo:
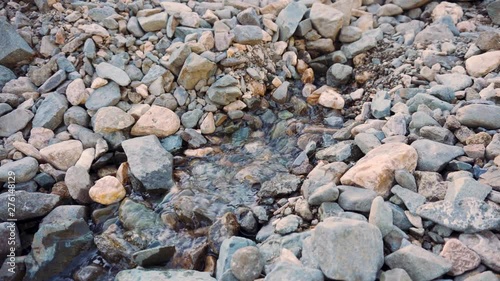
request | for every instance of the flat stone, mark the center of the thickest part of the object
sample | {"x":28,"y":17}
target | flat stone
{"x":55,"y":80}
{"x":50,"y":113}
{"x":163,"y":275}
{"x":247,"y":34}
{"x":280,"y":184}
{"x":410,"y":4}
{"x":29,"y":205}
{"x":14,"y":121}
{"x":431,"y":102}
{"x":108,"y":71}
{"x":462,"y":258}
{"x":173,"y":8}
{"x":381,"y":216}
{"x":107,"y":190}
{"x":355,"y":199}
{"x":77,"y":179}
{"x":149,"y":162}
{"x":486,"y":244}
{"x":467,"y":187}
{"x":156,"y":256}
{"x":420,"y":264}
{"x":326,"y":20}
{"x":13,"y":48}
{"x":346,"y":238}
{"x":365,"y":43}
{"x":455,"y":81}
{"x":159,"y":121}
{"x":107,"y":95}
{"x":19,"y":171}
{"x":479,"y":115}
{"x":195,"y":69}
{"x":62,"y":155}
{"x":289,"y":18}
{"x":467,"y":215}
{"x":412,"y":200}
{"x":434,"y":156}
{"x":376,"y":169}
{"x":396,"y":274}
{"x":225,"y":90}
{"x":154,"y":22}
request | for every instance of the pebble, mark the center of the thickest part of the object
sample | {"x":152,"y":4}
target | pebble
{"x":159,"y":121}
{"x":108,"y":71}
{"x":247,"y":263}
{"x":62,"y":155}
{"x":107,"y":190}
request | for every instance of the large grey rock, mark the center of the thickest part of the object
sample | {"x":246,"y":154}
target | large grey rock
{"x":431,"y":101}
{"x":434,"y":33}
{"x":153,"y":22}
{"x":455,"y":81}
{"x":396,"y":274}
{"x":288,"y":19}
{"x":108,"y":71}
{"x":50,"y":113}
{"x":163,"y":275}
{"x":149,"y":162}
{"x":13,"y":48}
{"x":14,"y":121}
{"x":227,"y":249}
{"x":62,"y":155}
{"x":293,"y":272}
{"x":55,"y":80}
{"x":338,"y":74}
{"x":381,"y":105}
{"x":156,"y":256}
{"x":466,"y":187}
{"x":356,"y":199}
{"x":480,"y":115}
{"x":18,"y":171}
{"x":196,"y":68}
{"x":348,"y":249}
{"x":420,"y":264}
{"x":28,"y":205}
{"x":326,"y":20}
{"x":493,"y":10}
{"x":280,"y":184}
{"x":5,"y":76}
{"x":247,"y":34}
{"x":77,"y":179}
{"x":62,"y":238}
{"x":225,"y":90}
{"x":410,"y":4}
{"x":364,"y":44}
{"x":105,"y":96}
{"x":247,"y":263}
{"x":381,"y":216}
{"x":412,"y":200}
{"x":433,"y":156}
{"x":467,"y":215}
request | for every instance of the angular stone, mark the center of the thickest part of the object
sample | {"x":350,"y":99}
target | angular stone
{"x":227,"y":249}
{"x":6,"y":75}
{"x":154,"y":22}
{"x":412,"y":200}
{"x":360,"y":46}
{"x":104,"y":96}
{"x":381,"y":216}
{"x":108,"y":71}
{"x":159,"y":121}
{"x":19,"y":171}
{"x":50,"y":113}
{"x":326,"y":20}
{"x":14,"y":121}
{"x":77,"y":179}
{"x":13,"y":48}
{"x":156,"y":256}
{"x":62,"y":155}
{"x":29,"y":205}
{"x":434,"y":156}
{"x":289,"y":18}
{"x":280,"y":184}
{"x":247,"y":34}
{"x":356,"y":199}
{"x":462,"y":258}
{"x":55,"y":80}
{"x":163,"y":275}
{"x":396,"y":274}
{"x":480,"y":115}
{"x":224,"y":91}
{"x":467,"y":215}
{"x":420,"y":264}
{"x":376,"y":169}
{"x":455,"y":81}
{"x":337,"y":244}
{"x":195,"y":69}
{"x":467,"y":187}
{"x":149,"y":162}
{"x":76,"y":92}
{"x":493,"y":10}
{"x":487,"y":245}
{"x":431,"y":102}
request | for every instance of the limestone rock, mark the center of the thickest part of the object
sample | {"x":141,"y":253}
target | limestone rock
{"x":107,"y":190}
{"x":159,"y":121}
{"x":62,"y":155}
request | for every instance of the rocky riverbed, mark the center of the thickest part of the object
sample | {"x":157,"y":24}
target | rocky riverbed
{"x":245,"y":140}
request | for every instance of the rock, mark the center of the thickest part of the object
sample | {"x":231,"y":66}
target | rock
{"x":326,"y":20}
{"x":412,"y":200}
{"x":223,"y":228}
{"x":493,"y":10}
{"x":107,"y":190}
{"x":163,"y":275}
{"x":247,"y":263}
{"x":420,"y":264}
{"x":156,"y":256}
{"x":462,"y":258}
{"x":149,"y":162}
{"x":360,"y":46}
{"x":248,"y":17}
{"x":280,"y":184}
{"x":330,"y":98}
{"x":19,"y":171}
{"x":467,"y":187}
{"x":76,"y":92}
{"x":366,"y":142}
{"x":389,"y":10}
{"x":455,"y":81}
{"x":227,"y":249}
{"x":62,"y":155}
{"x":224,"y":91}
{"x":65,"y":232}
{"x":173,"y":8}
{"x":207,"y":126}
{"x":338,"y":74}
{"x":430,"y":101}
{"x":195,"y":69}
{"x":247,"y":34}
{"x":288,"y":224}
{"x":381,"y":216}
{"x":108,"y":71}
{"x":6,"y":75}
{"x":467,"y":215}
{"x":483,"y":64}
{"x":292,"y":272}
{"x":486,"y":245}
{"x":76,"y":115}
{"x":484,"y":276}
{"x":190,"y":119}
{"x":479,"y":115}
{"x":159,"y":121}
{"x":14,"y":121}
{"x":410,"y":4}
{"x":349,"y":34}
{"x":13,"y":48}
{"x":381,"y":105}
{"x":111,"y":119}
{"x":434,"y":156}
{"x":356,"y":199}
{"x":289,"y":18}
{"x":19,"y":86}
{"x":29,"y":205}
{"x":50,"y":113}
{"x":154,"y":22}
{"x":396,"y":274}
{"x":337,"y":244}
{"x":55,"y":80}
{"x":434,"y":33}
{"x":376,"y":169}
{"x":77,"y":179}
{"x":107,"y":95}
{"x":280,"y":95}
